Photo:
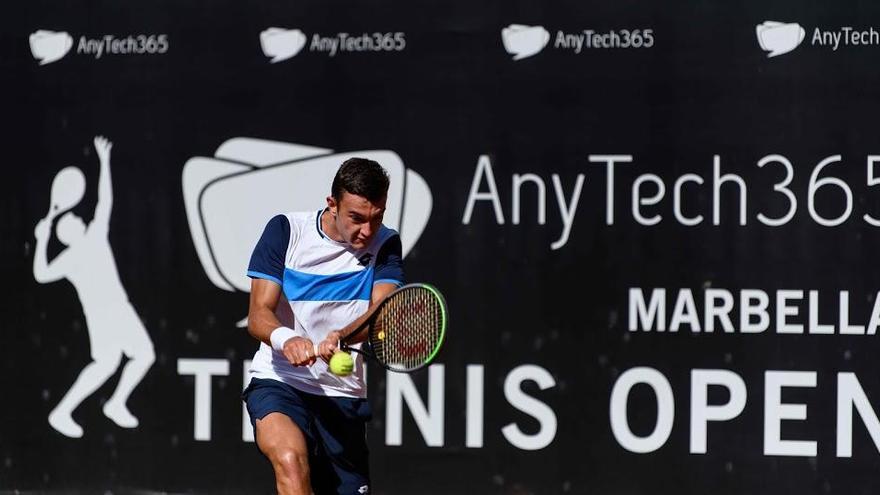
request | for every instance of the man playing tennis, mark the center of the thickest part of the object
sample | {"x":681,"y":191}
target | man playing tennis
{"x":114,"y":327}
{"x":316,"y":276}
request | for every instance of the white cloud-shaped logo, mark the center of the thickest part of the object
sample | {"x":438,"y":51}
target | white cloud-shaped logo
{"x":50,"y":46}
{"x":229,"y":198}
{"x":778,"y":38}
{"x":524,"y":41}
{"x":281,"y":44}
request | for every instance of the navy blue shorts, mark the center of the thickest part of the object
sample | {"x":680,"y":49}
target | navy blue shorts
{"x":334,"y":427}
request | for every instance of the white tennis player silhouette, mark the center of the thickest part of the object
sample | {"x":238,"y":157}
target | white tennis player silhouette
{"x":87,"y":262}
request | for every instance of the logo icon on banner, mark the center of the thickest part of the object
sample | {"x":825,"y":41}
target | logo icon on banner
{"x":523,"y":41}
{"x":229,"y":198}
{"x":281,"y":44}
{"x":779,"y":38}
{"x":50,"y":46}
{"x":87,"y":262}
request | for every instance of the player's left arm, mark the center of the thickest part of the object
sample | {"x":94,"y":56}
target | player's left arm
{"x":387,"y":278}
{"x":329,"y":345}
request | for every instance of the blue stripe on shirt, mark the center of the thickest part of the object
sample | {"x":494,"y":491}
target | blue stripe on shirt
{"x":350,"y":286}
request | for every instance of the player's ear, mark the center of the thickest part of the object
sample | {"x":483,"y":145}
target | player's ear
{"x":332,"y":205}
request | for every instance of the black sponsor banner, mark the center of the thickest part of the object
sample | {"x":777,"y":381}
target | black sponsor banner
{"x":655,"y":226}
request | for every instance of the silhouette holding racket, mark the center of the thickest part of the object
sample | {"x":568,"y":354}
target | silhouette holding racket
{"x":87,"y":262}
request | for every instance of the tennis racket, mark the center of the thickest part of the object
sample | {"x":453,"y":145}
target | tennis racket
{"x":68,"y":188}
{"x":406,"y":330}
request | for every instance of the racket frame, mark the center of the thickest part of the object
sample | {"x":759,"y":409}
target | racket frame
{"x":367,"y":348}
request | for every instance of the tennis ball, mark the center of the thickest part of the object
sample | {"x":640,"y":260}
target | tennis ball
{"x":341,"y":364}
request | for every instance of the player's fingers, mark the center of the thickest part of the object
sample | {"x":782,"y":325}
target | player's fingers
{"x":309,"y":358}
{"x":290,"y":355}
{"x":321,"y":348}
{"x":306,"y":356}
{"x":327,"y":350}
{"x":298,"y":355}
{"x":326,"y":353}
{"x":296,"y":358}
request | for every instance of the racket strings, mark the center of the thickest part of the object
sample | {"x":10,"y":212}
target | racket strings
{"x":409,"y":329}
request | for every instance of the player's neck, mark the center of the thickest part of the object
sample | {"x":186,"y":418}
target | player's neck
{"x":329,"y":227}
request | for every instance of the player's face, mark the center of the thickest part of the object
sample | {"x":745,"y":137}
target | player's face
{"x":357,"y":219}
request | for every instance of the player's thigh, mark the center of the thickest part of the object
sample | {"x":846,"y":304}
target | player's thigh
{"x":280,"y":417}
{"x":277,"y":435}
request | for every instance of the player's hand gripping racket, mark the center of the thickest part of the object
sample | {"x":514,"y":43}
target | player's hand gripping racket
{"x":406,"y":330}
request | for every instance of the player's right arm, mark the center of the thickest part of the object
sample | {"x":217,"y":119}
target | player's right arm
{"x":45,"y":272}
{"x":266,"y":268}
{"x":263,"y":324}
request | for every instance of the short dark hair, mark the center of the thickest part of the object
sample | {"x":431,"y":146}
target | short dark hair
{"x":361,"y":177}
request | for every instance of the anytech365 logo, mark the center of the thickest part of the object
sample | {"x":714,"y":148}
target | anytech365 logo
{"x":523,"y":41}
{"x":778,"y":38}
{"x":51,"y":46}
{"x":229,"y":198}
{"x":281,"y":44}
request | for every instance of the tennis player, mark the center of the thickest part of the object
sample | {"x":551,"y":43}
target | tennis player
{"x":316,"y":276}
{"x":114,"y":327}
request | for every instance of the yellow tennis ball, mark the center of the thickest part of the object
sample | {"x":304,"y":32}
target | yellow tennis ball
{"x":341,"y":364}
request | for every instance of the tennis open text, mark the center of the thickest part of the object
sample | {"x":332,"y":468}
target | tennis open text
{"x":850,"y":397}
{"x":429,"y":414}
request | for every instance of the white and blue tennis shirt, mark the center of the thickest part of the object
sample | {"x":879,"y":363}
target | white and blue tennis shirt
{"x":327,"y":285}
